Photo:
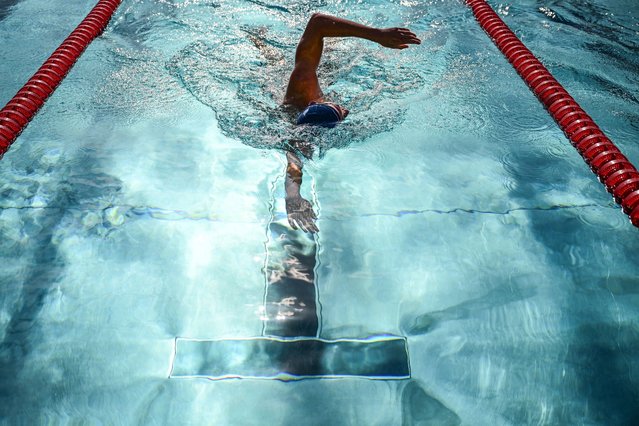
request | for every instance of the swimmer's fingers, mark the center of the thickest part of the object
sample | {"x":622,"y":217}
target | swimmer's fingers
{"x":409,"y":37}
{"x":311,"y":218}
{"x":305,"y":222}
{"x":291,"y":221}
{"x":405,"y":32}
{"x":310,"y":227}
{"x":397,"y":38}
{"x":302,"y":224}
{"x":313,"y":229}
{"x":300,"y":214}
{"x":297,"y":222}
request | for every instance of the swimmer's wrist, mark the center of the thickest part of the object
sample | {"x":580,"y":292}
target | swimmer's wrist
{"x":375,"y":35}
{"x":292,"y":190}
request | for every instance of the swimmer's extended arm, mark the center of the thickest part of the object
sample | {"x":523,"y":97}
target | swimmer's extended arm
{"x":309,"y":49}
{"x":303,"y":85}
{"x":299,"y":211}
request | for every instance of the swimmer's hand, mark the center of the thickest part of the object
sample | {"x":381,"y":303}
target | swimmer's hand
{"x":300,"y":214}
{"x":396,"y":38}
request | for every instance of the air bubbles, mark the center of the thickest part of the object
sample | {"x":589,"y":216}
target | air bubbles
{"x":548,"y":12}
{"x":503,"y":9}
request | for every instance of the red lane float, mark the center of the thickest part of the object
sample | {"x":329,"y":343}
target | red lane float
{"x":614,"y":170}
{"x":15,"y":116}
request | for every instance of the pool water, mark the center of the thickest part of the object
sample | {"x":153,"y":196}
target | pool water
{"x":145,"y":202}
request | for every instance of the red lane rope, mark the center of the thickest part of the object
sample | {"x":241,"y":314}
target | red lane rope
{"x":15,"y":116}
{"x":614,"y":170}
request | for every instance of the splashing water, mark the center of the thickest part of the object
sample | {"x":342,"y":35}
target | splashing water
{"x":243,"y":78}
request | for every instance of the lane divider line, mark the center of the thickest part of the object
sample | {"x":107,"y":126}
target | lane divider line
{"x":19,"y":111}
{"x":615,"y":172}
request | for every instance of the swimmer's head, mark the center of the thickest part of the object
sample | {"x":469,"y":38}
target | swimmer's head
{"x":325,"y":114}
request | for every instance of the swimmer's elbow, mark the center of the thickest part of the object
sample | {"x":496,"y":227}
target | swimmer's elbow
{"x":317,"y":17}
{"x":318,"y":21}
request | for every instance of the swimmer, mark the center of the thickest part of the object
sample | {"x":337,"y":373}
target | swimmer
{"x":304,"y":94}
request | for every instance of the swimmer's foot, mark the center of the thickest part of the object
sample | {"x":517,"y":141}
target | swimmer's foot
{"x":300,"y":214}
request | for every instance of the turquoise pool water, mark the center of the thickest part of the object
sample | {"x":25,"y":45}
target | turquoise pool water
{"x":145,"y":203}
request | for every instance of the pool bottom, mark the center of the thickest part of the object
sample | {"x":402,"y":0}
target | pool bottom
{"x":378,"y":357}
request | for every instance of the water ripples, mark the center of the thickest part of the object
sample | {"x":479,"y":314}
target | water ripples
{"x":602,"y":218}
{"x":527,"y":320}
{"x":530,"y":164}
{"x":245,"y":94}
{"x":559,"y":149}
{"x":502,"y":344}
{"x":523,"y":121}
{"x":139,"y":87}
{"x":472,"y":117}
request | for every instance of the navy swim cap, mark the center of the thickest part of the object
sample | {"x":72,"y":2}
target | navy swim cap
{"x":319,"y":115}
